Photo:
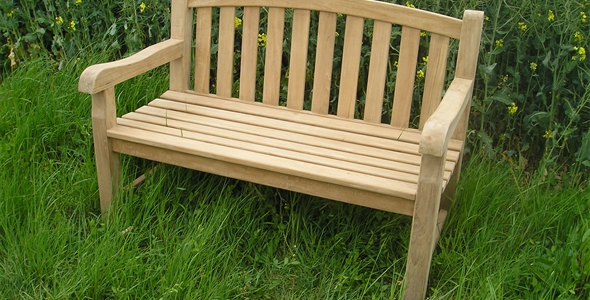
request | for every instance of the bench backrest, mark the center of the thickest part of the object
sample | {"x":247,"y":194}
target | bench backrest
{"x":370,"y":27}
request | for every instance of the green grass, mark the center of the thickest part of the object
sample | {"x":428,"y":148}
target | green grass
{"x":189,"y":235}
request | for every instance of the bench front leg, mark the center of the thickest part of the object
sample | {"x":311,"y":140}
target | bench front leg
{"x":107,"y":162}
{"x":424,"y":226}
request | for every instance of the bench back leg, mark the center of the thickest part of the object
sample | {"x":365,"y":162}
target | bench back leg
{"x":107,"y":162}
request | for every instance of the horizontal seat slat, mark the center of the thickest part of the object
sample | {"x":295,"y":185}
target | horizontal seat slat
{"x":305,"y":118}
{"x":265,"y":161}
{"x":311,"y":130}
{"x":278,"y":134}
{"x":261,"y":145}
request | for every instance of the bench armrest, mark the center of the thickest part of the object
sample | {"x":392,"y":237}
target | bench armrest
{"x":99,"y":77}
{"x":440,"y":126}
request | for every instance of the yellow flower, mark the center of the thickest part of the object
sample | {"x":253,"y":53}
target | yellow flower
{"x":10,"y":14}
{"x":237,"y":22}
{"x":336,"y":33}
{"x":142,"y":7}
{"x":512,"y":109}
{"x":424,"y":60}
{"x":550,"y":16}
{"x":548,"y":134}
{"x":410,"y":5}
{"x":395,"y":64}
{"x":533,"y":66}
{"x":59,"y":20}
{"x":73,"y":25}
{"x":500,"y":43}
{"x":578,"y":37}
{"x":522,"y":26}
{"x":487,"y":18}
{"x":423,"y":34}
{"x":420,"y":74}
{"x":262,"y":39}
{"x":78,"y":1}
{"x":583,"y":16}
{"x":582,"y":53}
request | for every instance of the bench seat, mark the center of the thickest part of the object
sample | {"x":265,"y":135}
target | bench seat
{"x":377,"y":160}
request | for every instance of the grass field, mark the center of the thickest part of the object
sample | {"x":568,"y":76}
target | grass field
{"x":189,"y":235}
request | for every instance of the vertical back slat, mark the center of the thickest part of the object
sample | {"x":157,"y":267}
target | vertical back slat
{"x":406,"y":73}
{"x":323,"y":63}
{"x":436,"y":71}
{"x":298,"y":59}
{"x":377,"y":71}
{"x":249,"y":53}
{"x":203,"y":50}
{"x":353,"y":39}
{"x":225,"y":62}
{"x":181,"y":29}
{"x":274,"y":52}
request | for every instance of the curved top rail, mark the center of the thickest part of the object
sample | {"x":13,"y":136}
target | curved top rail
{"x":370,"y":9}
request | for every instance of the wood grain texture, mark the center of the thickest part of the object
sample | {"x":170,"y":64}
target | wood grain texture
{"x":298,"y":59}
{"x":266,"y":162}
{"x":424,"y":227}
{"x":324,"y":63}
{"x":203,"y":50}
{"x":274,"y":56}
{"x":249,"y":53}
{"x":181,"y":21}
{"x":279,"y":180}
{"x":100,"y":77}
{"x":406,"y":74}
{"x":377,"y":72}
{"x":439,"y":128}
{"x":107,"y":162}
{"x":467,"y":59}
{"x":225,"y":51}
{"x":436,"y":71}
{"x":351,"y":56}
{"x":381,"y":11}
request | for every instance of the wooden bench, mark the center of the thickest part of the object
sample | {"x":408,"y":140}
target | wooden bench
{"x":323,"y":151}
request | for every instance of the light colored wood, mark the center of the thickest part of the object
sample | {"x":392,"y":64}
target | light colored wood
{"x":440,"y":126}
{"x":424,"y":227}
{"x":351,"y":56}
{"x":323,"y":63}
{"x":384,"y":156}
{"x":181,"y":21}
{"x":436,"y":71}
{"x":267,"y":162}
{"x":381,"y":11}
{"x":303,"y":117}
{"x":406,"y":73}
{"x":176,"y":120}
{"x":203,"y":50}
{"x":467,"y":59}
{"x":100,"y":77}
{"x":225,"y":51}
{"x":274,"y":53}
{"x":107,"y":161}
{"x":288,"y":150}
{"x":386,"y":167}
{"x":310,"y":130}
{"x":249,"y":53}
{"x":377,"y":72}
{"x":298,"y":59}
{"x":279,"y":180}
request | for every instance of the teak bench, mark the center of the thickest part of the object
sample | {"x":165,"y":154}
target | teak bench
{"x":390,"y":167}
